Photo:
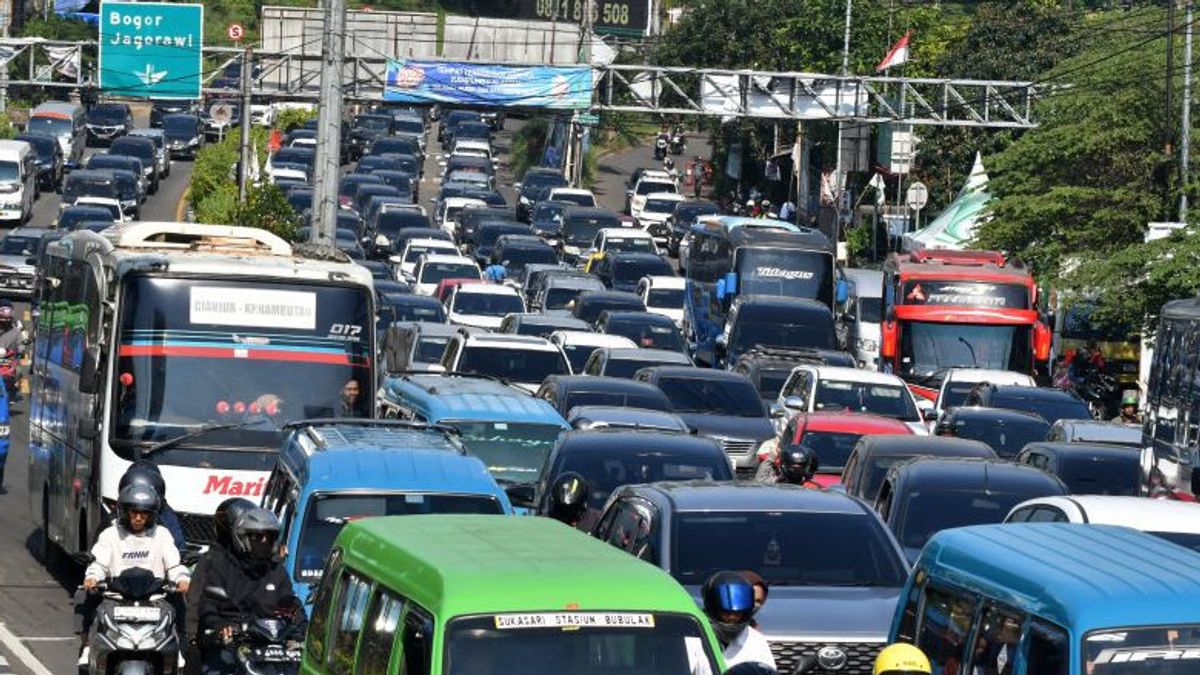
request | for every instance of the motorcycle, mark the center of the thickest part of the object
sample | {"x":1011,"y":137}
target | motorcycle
{"x":677,"y":142}
{"x":263,"y":646}
{"x":1098,"y":390}
{"x":133,"y":632}
{"x":8,"y":371}
{"x":660,"y":147}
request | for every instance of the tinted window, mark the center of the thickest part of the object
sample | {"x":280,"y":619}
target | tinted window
{"x":1051,"y":406}
{"x":581,"y":230}
{"x":854,"y":550}
{"x":832,"y":448}
{"x":487,"y":304}
{"x":945,"y":622}
{"x":516,"y":365}
{"x":665,"y":298}
{"x":807,"y":331}
{"x":627,"y":400}
{"x":1006,"y":436}
{"x":924,"y":513}
{"x":648,"y":332}
{"x":106,"y":114}
{"x":407,"y":309}
{"x":723,"y":397}
{"x":626,"y":367}
{"x":513,"y":452}
{"x":606,"y":471}
{"x":431,"y":273}
{"x":628,"y":271}
{"x":375,"y":651}
{"x":1102,"y":476}
{"x":879,"y":399}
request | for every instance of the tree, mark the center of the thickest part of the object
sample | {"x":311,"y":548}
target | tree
{"x":267,"y":208}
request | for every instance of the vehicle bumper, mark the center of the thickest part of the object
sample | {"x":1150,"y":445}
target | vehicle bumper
{"x":10,"y":212}
{"x":20,"y":285}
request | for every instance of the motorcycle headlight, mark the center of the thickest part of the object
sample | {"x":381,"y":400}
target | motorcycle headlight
{"x":867,"y":345}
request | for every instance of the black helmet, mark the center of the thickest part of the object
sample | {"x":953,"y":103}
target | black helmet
{"x":226,"y":515}
{"x":144,"y":472}
{"x":797,"y":464}
{"x":256,"y":521}
{"x":727,"y":593}
{"x":137,"y":497}
{"x":568,"y":498}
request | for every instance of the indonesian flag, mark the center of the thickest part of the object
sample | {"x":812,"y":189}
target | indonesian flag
{"x":897,"y":55}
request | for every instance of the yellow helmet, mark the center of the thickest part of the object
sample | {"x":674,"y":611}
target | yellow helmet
{"x":901,"y":659}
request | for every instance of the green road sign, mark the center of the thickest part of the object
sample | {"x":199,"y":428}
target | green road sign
{"x":151,"y":49}
{"x":587,"y":119}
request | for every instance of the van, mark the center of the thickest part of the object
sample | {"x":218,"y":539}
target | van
{"x":864,"y":315}
{"x":466,"y":594}
{"x":66,"y":122}
{"x":18,"y":180}
{"x":328,"y":474}
{"x":1053,"y":598}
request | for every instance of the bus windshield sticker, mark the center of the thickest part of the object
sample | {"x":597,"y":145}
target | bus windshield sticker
{"x":966,"y":294}
{"x":574,"y":620}
{"x":259,"y":308}
{"x":1140,"y":654}
{"x":780,"y":273}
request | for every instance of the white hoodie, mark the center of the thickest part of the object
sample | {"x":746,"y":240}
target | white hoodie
{"x":117,"y":550}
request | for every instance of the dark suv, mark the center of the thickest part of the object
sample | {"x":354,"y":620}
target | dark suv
{"x":1052,"y":404}
{"x":107,"y":121}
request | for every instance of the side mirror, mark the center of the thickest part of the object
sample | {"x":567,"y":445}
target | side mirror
{"x":215,"y":593}
{"x":794,"y":403}
{"x":520,"y":494}
{"x":778,"y":411}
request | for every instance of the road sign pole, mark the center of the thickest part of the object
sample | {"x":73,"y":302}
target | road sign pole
{"x":329,"y":125}
{"x":244,"y":173}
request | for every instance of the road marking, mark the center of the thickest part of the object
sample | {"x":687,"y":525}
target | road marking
{"x":19,"y":651}
{"x":49,"y":639}
{"x":181,"y":205}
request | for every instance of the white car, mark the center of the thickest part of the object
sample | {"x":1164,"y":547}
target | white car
{"x":415,"y":248}
{"x":262,"y":114}
{"x":810,"y":388}
{"x":960,"y":381}
{"x":473,"y":148}
{"x":483,"y":305}
{"x":648,"y":185}
{"x":663,"y":295}
{"x":620,"y":240}
{"x":578,"y":345}
{"x":864,"y":314}
{"x":113,"y":205}
{"x":447,"y":215}
{"x":576,"y":196}
{"x":656,"y":209}
{"x":433,"y":267}
{"x":523,"y":361}
{"x":1174,"y":521}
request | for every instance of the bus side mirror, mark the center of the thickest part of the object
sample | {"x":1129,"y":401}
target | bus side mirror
{"x":1041,"y":341}
{"x":89,"y":370}
{"x":888,"y":337}
{"x":843,"y":291}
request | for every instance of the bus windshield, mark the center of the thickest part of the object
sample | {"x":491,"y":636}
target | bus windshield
{"x":785,"y":272}
{"x":195,"y":352}
{"x":1161,"y":650}
{"x":928,"y":350}
{"x":55,"y":126}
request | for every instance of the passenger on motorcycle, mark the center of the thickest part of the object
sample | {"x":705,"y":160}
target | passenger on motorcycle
{"x":146,"y":472}
{"x":255,"y":585}
{"x":729,"y":604}
{"x":134,"y":541}
{"x":795,"y":465}
{"x":12,"y":340}
{"x":226,"y":514}
{"x":1129,"y":409}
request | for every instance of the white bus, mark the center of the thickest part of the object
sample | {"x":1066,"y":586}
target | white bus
{"x":189,"y":345}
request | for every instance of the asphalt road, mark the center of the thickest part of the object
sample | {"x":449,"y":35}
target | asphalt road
{"x":614,"y":170}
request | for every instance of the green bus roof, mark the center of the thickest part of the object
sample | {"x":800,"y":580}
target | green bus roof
{"x":455,"y":565}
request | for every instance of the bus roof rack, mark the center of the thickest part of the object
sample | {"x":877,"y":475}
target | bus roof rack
{"x":927,"y":255}
{"x":734,"y":222}
{"x":192,"y":236}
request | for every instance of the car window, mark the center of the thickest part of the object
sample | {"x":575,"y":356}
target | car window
{"x":945,"y":623}
{"x":352,"y":606}
{"x":375,"y":650}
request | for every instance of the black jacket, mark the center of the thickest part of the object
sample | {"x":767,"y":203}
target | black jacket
{"x":255,"y":588}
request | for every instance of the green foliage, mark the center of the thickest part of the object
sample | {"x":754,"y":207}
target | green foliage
{"x":528,"y":145}
{"x":267,"y":208}
{"x":291,"y":118}
{"x":214,"y":191}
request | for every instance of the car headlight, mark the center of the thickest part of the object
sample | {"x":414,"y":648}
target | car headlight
{"x":525,"y":200}
{"x":4,"y":429}
{"x":868,"y":345}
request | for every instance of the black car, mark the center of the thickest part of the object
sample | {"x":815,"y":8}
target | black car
{"x":71,"y":217}
{"x":772,"y":322}
{"x":365,"y":129}
{"x":680,"y":222}
{"x":719,"y":404}
{"x":1089,"y":468}
{"x":579,"y":227}
{"x":160,"y":110}
{"x":380,"y":270}
{"x":404,"y":308}
{"x":534,"y":187}
{"x":85,"y":183}
{"x":108,"y":121}
{"x":768,"y":369}
{"x":924,"y":496}
{"x":568,"y":391}
{"x":625,"y":361}
{"x":1052,"y":404}
{"x":389,"y":224}
{"x":48,"y":156}
{"x":516,"y":252}
{"x":873,"y":455}
{"x":470,"y":220}
{"x":546,"y":218}
{"x":653,"y":331}
{"x":1005,"y":431}
{"x":623,"y":271}
{"x":486,"y":236}
{"x":608,"y":459}
{"x":184,"y":134}
{"x":143,"y":149}
{"x":539,"y":325}
{"x":589,"y":304}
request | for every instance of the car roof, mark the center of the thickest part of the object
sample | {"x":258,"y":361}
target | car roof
{"x":617,"y":442}
{"x":957,"y":473}
{"x":487,"y":289}
{"x":632,"y":315}
{"x":1083,"y":577}
{"x":778,"y":302}
{"x":694,"y":372}
{"x":577,"y":383}
{"x":1005,"y":377}
{"x":844,"y":374}
{"x":447,"y":397}
{"x":751,"y":496}
{"x":1015,"y":392}
{"x":853,"y":422}
{"x":633,"y":256}
{"x":899,"y":445}
{"x":663,"y":281}
{"x":1148,"y":515}
{"x":985,"y":412}
{"x":1087,"y":451}
{"x":588,"y":338}
{"x":625,"y":416}
{"x":645,"y":354}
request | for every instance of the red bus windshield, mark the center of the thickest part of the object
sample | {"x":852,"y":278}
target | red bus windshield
{"x":928,"y":350}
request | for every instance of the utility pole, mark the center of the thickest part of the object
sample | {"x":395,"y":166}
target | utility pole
{"x":585,"y":57}
{"x":247,"y":153}
{"x":1185,"y":139}
{"x":1169,"y":141}
{"x":839,"y":180}
{"x":327,"y":164}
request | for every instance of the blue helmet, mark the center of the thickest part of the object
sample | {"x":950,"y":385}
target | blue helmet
{"x":728,"y":592}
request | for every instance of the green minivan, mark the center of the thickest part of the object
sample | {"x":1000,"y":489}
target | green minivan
{"x":480,"y":595}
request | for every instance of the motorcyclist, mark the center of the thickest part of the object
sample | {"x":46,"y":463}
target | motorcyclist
{"x":146,"y":472}
{"x":255,"y":585}
{"x":12,"y":339}
{"x":902,"y":658}
{"x":568,"y":502}
{"x":226,"y":514}
{"x":729,"y":604}
{"x":795,"y":465}
{"x":134,"y":541}
{"x":1129,"y":409}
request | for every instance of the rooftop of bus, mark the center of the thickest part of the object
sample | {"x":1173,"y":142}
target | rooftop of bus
{"x":742,"y":231}
{"x":1084,"y":577}
{"x":965,"y":265}
{"x":469,"y":564}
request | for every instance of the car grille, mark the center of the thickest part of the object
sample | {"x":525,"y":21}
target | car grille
{"x":860,"y":656}
{"x":735,"y":446}
{"x":197,"y":528}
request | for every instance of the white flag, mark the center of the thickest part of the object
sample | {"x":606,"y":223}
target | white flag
{"x":877,"y":183}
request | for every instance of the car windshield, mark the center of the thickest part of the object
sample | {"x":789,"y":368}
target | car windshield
{"x":71,"y":217}
{"x":927,"y":512}
{"x":660,"y":206}
{"x":79,"y":185}
{"x":785,"y":272}
{"x":11,"y":245}
{"x":582,"y":231}
{"x":390,"y":223}
{"x":665,"y":298}
{"x":719,"y":396}
{"x":1161,"y":650}
{"x":415,"y":251}
{"x":513,"y":451}
{"x":55,"y":126}
{"x":816,"y":333}
{"x":106,"y":114}
{"x":928,"y":349}
{"x":543,"y":180}
{"x":554,"y":642}
{"x":373,"y":123}
{"x":410,"y":126}
{"x":577,"y":198}
{"x":607,"y":471}
{"x":181,"y":126}
{"x":648,"y":333}
{"x":629,"y":271}
{"x":561,"y":297}
{"x":410,"y":308}
{"x":10,"y":172}
{"x":1006,"y":436}
{"x":1102,"y":476}
{"x":886,"y":400}
{"x":614,"y":398}
{"x":853,"y":551}
{"x":832,"y":447}
{"x":870,"y":310}
{"x":327,"y":513}
{"x":433,"y":272}
{"x":529,"y":366}
{"x":517,"y":257}
{"x":630,"y":245}
{"x":487,"y":304}
{"x":646,"y":187}
{"x":1052,"y":406}
{"x":771,"y":380}
{"x":578,"y":356}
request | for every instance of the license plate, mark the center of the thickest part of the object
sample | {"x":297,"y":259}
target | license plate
{"x":275,"y":655}
{"x":137,"y":614}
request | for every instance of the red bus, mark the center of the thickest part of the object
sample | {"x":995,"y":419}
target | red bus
{"x":959,"y":309}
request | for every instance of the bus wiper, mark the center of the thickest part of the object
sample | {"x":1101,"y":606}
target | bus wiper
{"x":974,"y":361}
{"x":935,"y":377}
{"x":178,"y":440}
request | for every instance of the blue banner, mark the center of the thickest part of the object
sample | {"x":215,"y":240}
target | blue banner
{"x":553,"y":87}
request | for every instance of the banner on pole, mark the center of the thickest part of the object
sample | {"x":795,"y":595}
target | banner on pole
{"x":551,"y":87}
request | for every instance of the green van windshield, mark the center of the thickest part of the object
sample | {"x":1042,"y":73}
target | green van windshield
{"x":551,"y":643}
